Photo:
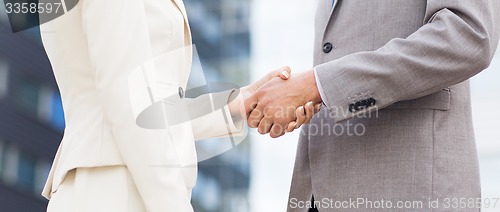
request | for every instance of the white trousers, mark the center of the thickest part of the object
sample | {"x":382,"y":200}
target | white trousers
{"x":106,"y":189}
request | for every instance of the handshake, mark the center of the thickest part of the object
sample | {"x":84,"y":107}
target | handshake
{"x":279,"y":102}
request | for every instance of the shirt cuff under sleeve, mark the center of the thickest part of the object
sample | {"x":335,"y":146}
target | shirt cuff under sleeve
{"x":320,"y":88}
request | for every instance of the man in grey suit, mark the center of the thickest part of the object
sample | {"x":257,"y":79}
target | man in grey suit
{"x":397,"y":130}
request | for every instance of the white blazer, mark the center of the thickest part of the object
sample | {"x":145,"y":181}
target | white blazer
{"x":93,"y":49}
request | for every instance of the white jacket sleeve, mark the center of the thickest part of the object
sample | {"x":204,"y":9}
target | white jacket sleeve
{"x":218,"y":121}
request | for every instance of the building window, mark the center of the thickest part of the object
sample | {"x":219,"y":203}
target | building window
{"x":27,"y":95}
{"x":41,"y":101}
{"x":26,"y":172}
{"x":45,"y":104}
{"x":50,"y":108}
{"x":57,"y":113}
{"x":4,"y":78}
{"x":22,"y":170}
{"x":11,"y":161}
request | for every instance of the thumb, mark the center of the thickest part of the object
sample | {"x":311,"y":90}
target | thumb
{"x":284,"y":73}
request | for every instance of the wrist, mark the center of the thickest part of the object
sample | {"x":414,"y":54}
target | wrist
{"x":313,"y":90}
{"x":234,"y":103}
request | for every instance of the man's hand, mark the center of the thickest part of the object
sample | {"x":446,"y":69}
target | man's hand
{"x":304,"y":113}
{"x":236,"y":106}
{"x":278,"y":102}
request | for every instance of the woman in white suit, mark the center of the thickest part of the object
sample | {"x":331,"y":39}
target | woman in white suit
{"x":106,"y":162}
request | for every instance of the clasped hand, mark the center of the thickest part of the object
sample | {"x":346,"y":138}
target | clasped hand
{"x":280,"y":102}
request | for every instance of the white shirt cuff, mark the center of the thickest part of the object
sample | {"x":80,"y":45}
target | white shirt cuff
{"x":320,"y":88}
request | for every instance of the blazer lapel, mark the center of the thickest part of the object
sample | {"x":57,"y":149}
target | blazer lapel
{"x":331,"y":8}
{"x":182,"y":9}
{"x":334,"y":4}
{"x":180,"y":6}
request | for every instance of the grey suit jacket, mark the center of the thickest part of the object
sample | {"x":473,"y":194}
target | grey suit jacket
{"x":397,"y":128}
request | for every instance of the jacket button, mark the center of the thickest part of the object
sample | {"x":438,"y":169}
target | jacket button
{"x":351,"y":108}
{"x":358,"y":106}
{"x":327,"y":48}
{"x":372,"y":101}
{"x":181,"y":92}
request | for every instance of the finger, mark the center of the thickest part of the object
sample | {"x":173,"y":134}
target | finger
{"x":277,"y":136}
{"x":301,"y":116}
{"x":255,"y":118}
{"x":285,"y":72}
{"x":265,"y":126}
{"x":284,"y":75}
{"x":317,"y":108}
{"x":291,"y":126}
{"x":310,"y":111}
{"x":277,"y":131}
{"x":250,"y":103}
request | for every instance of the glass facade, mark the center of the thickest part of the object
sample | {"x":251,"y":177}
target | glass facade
{"x":26,"y":172}
{"x":31,"y":122}
{"x":56,"y":118}
{"x":21,"y":170}
{"x":27,"y":95}
{"x":38,"y":100}
{"x":220,"y":31}
{"x":10,"y":165}
{"x":32,"y":119}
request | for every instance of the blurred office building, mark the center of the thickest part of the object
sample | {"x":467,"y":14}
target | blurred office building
{"x":220,"y":31}
{"x":31,"y":119}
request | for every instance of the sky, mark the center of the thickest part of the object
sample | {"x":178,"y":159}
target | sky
{"x":282,"y":34}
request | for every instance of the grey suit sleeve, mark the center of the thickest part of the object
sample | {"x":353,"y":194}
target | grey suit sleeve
{"x":457,"y":41}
